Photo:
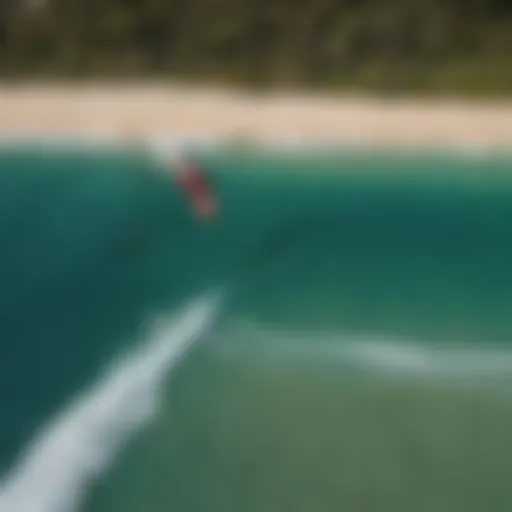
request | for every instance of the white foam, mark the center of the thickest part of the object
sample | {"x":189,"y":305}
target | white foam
{"x":56,"y":468}
{"x":390,"y":354}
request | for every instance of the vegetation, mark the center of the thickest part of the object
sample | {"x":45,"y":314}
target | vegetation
{"x":385,"y":45}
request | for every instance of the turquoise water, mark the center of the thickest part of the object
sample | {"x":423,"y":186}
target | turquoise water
{"x":358,"y":359}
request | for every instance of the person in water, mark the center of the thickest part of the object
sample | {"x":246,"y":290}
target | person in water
{"x":192,"y":179}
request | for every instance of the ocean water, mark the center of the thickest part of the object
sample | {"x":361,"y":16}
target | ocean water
{"x":339,"y":340}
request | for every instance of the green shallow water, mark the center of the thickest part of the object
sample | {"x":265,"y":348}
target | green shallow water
{"x":362,"y":364}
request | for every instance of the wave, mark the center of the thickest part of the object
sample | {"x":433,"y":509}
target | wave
{"x":83,"y":440}
{"x":397,"y":355}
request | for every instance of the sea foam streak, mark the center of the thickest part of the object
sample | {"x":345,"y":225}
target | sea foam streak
{"x":79,"y":444}
{"x":391,"y":354}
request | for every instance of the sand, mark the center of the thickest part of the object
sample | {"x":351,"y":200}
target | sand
{"x":157,"y":110}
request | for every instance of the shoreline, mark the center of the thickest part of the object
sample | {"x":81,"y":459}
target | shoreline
{"x":152,"y":111}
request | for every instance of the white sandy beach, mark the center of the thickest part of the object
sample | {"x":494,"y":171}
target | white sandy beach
{"x":151,"y":110}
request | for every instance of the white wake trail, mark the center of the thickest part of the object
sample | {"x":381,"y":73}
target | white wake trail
{"x":79,"y":444}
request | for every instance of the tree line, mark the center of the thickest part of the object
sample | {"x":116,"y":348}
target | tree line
{"x":382,"y":45}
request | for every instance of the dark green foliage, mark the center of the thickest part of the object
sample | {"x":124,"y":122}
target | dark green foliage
{"x":385,"y":45}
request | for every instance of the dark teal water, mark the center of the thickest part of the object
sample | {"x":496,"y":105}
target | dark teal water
{"x":361,"y":361}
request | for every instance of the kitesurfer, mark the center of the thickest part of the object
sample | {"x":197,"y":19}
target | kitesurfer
{"x":192,"y":179}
